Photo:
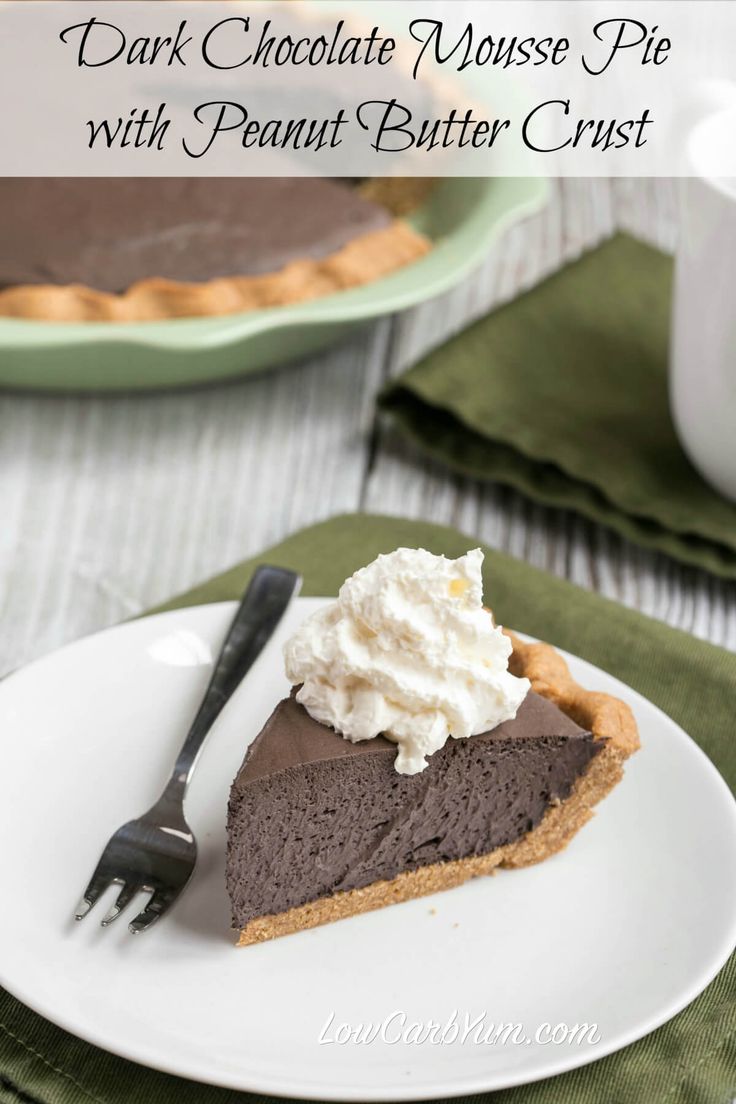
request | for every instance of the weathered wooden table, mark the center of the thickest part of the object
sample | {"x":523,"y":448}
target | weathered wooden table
{"x":110,"y":505}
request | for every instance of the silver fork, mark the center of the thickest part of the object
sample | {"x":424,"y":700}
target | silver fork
{"x":157,"y":852}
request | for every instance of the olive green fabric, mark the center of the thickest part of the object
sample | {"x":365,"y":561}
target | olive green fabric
{"x":563,"y":394}
{"x":691,"y":1060}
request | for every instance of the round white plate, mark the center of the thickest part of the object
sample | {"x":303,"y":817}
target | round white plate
{"x":620,"y":931}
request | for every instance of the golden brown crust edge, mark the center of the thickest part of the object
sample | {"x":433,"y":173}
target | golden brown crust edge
{"x":606,"y":717}
{"x":362,"y":260}
{"x":401,"y":195}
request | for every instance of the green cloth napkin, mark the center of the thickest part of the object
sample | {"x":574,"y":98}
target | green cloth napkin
{"x":691,"y":1060}
{"x":563,"y":394}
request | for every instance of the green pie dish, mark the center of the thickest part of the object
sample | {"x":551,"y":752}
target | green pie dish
{"x":462,"y":217}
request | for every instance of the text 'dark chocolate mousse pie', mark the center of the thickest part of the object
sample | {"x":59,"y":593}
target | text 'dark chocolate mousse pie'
{"x":421,"y":746}
{"x":142,"y":249}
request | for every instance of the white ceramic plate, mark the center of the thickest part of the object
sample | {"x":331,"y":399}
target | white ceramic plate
{"x":622,"y":930}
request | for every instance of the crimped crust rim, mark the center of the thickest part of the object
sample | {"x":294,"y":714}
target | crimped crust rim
{"x":362,"y":260}
{"x":605,"y":716}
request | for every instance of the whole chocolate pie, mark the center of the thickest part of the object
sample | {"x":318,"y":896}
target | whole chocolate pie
{"x":321,"y":827}
{"x":138,"y":249}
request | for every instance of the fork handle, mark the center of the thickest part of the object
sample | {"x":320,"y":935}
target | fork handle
{"x":260,"y":610}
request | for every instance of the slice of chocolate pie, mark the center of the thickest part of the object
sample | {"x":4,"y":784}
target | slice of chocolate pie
{"x":138,"y":249}
{"x":322,"y":827}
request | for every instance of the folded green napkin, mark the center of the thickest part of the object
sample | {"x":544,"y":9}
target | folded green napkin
{"x":563,"y":394}
{"x":691,"y":1060}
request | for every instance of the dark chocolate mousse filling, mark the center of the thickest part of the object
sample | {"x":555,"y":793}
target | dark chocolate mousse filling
{"x":108,"y":234}
{"x":312,"y":815}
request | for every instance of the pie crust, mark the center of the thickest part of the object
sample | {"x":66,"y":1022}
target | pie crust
{"x":362,"y":260}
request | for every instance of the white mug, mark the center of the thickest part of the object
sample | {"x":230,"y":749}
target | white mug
{"x":703,"y":345}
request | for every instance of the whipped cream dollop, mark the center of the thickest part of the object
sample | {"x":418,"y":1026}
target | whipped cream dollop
{"x":408,"y":652}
